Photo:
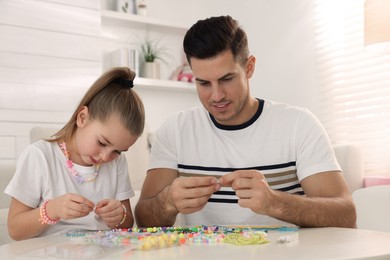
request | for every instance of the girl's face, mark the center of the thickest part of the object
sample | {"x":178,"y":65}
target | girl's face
{"x":99,"y":142}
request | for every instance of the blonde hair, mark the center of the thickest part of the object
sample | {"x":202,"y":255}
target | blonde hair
{"x":111,"y":93}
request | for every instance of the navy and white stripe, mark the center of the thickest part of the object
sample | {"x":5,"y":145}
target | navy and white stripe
{"x":280,"y":177}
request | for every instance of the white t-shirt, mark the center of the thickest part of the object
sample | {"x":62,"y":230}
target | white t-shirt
{"x":285,"y":143}
{"x":41,"y":174}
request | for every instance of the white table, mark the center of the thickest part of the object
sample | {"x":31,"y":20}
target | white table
{"x":313,"y":243}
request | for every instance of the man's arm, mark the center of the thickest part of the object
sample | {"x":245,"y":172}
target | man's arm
{"x":328,"y":201}
{"x":154,"y":207}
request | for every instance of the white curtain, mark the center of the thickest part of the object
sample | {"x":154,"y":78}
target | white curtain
{"x":354,"y":83}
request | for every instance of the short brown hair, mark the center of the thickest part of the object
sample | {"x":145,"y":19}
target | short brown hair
{"x":212,"y":36}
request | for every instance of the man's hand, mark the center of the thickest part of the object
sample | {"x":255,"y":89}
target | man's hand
{"x":251,"y":188}
{"x":190,"y":194}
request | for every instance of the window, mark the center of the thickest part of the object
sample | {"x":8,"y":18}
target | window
{"x":354,"y":83}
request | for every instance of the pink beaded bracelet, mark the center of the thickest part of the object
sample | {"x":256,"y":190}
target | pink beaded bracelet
{"x":44,"y":218}
{"x":124,"y":216}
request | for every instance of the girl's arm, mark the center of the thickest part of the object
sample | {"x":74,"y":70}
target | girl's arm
{"x":25,"y":222}
{"x":129,"y":221}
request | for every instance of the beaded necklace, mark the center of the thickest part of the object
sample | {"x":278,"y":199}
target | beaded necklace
{"x":70,"y":166}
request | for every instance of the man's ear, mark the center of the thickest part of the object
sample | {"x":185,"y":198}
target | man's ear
{"x":82,"y":116}
{"x":250,"y":66}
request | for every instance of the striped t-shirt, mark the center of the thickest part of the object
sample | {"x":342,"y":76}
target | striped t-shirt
{"x":285,"y":143}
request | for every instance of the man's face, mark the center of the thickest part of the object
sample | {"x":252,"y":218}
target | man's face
{"x":223,"y":87}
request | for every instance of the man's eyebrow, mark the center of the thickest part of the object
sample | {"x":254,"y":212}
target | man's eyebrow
{"x":198,"y":79}
{"x":226,"y":75}
{"x":223,"y":77}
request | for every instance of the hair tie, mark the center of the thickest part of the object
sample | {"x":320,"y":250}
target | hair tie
{"x":124,"y":82}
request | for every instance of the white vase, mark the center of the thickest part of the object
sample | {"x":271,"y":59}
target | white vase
{"x":126,"y":6}
{"x":150,"y":70}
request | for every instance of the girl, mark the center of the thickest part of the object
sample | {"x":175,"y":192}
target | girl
{"x":78,"y":179}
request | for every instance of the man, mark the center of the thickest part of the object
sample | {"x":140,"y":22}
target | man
{"x":240,"y":160}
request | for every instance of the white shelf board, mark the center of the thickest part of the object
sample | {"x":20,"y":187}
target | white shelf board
{"x":123,"y":19}
{"x":158,"y":84}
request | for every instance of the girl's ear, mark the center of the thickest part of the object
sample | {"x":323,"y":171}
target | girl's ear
{"x":250,"y":66}
{"x":82,"y":116}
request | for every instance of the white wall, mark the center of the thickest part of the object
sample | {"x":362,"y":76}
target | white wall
{"x":159,"y":104}
{"x":51,"y":52}
{"x":49,"y":55}
{"x":280,"y":36}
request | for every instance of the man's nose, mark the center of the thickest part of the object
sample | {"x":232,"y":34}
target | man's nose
{"x":217,"y":92}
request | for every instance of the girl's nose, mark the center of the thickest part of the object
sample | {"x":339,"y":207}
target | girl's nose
{"x":103,"y":156}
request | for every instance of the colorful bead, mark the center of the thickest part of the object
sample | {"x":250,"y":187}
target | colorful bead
{"x":161,"y":237}
{"x":44,"y":218}
{"x":124,"y":216}
{"x":70,"y":166}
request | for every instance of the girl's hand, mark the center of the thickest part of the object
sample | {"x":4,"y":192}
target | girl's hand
{"x":111,"y":211}
{"x":69,"y":206}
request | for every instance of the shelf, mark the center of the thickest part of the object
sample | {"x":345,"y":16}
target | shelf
{"x":157,"y":84}
{"x":122,"y":19}
{"x":147,"y":23}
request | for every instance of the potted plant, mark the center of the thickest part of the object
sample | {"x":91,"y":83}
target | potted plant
{"x":150,"y":52}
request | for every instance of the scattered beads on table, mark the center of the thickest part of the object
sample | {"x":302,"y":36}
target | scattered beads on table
{"x":163,"y":237}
